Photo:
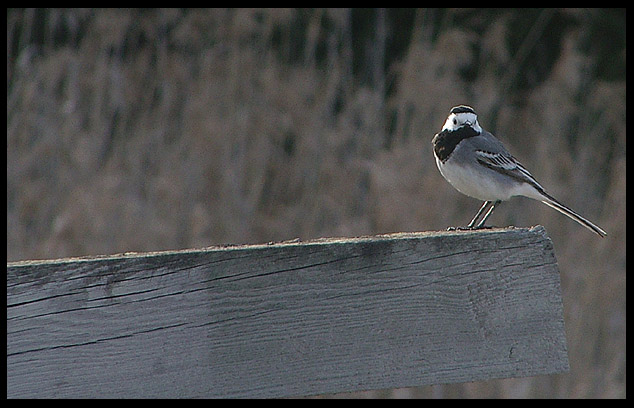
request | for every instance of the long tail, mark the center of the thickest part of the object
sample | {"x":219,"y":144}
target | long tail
{"x":551,"y":202}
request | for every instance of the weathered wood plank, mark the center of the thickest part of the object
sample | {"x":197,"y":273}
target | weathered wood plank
{"x":287,"y":319}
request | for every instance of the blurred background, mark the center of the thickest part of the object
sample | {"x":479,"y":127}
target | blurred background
{"x":146,"y":130}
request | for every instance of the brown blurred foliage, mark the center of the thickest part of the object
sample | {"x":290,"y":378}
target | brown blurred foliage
{"x":138,"y":130}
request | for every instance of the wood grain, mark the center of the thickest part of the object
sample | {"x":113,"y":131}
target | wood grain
{"x":287,"y":319}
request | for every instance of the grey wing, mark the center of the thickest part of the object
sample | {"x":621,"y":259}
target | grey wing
{"x":504,"y":163}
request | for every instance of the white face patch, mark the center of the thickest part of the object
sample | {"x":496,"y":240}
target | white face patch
{"x":456,"y":120}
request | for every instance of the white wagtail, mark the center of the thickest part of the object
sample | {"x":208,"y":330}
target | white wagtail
{"x":477,"y":164}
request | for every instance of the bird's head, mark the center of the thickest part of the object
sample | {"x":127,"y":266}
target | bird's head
{"x":462,"y":116}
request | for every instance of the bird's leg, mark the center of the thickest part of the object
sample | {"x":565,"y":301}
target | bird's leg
{"x":473,"y":221}
{"x":480,"y":211}
{"x":481,"y":224}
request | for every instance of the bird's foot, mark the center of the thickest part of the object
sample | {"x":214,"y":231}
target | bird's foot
{"x":468,"y":228}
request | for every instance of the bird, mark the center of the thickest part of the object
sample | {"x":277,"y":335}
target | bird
{"x":477,"y":164}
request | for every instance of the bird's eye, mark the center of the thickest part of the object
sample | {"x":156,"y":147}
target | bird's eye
{"x":455,"y":122}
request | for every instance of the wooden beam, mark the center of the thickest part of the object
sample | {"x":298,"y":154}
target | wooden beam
{"x":287,"y":319}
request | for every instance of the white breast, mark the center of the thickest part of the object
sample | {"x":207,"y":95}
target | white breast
{"x":483,"y":184}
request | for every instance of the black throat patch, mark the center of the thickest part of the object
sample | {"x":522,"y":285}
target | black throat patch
{"x":447,"y":140}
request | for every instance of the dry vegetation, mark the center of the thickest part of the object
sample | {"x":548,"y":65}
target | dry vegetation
{"x":149,"y":130}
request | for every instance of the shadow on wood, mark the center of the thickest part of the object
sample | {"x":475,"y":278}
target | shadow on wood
{"x":287,"y":319}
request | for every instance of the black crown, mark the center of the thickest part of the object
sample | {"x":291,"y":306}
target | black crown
{"x":462,"y":109}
